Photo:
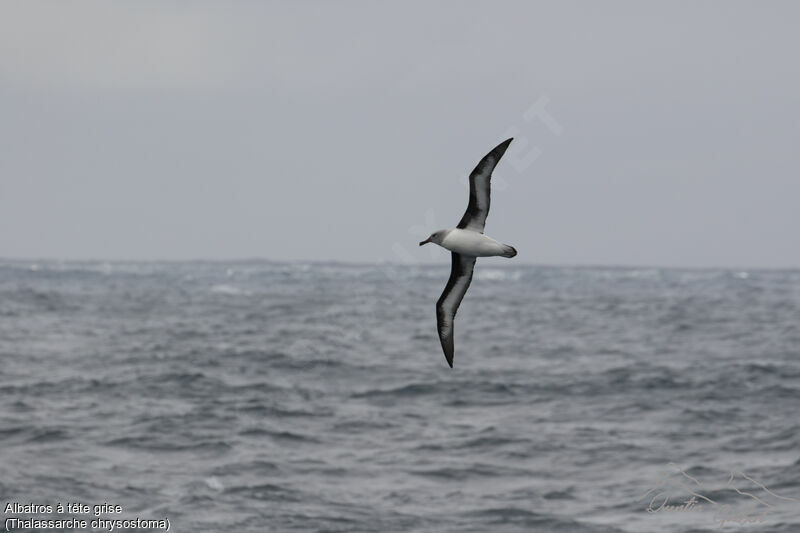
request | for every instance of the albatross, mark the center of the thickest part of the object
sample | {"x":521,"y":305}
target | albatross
{"x":466,"y":243}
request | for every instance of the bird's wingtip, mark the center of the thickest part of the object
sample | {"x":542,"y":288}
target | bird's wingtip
{"x":501,"y":148}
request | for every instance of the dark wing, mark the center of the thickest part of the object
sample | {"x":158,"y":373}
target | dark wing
{"x":480,"y":189}
{"x":446,"y":307}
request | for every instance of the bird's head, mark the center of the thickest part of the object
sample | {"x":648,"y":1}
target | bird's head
{"x":436,"y":237}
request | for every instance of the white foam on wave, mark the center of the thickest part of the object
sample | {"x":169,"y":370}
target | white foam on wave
{"x":214,"y":483}
{"x":223,"y":288}
{"x":496,"y":274}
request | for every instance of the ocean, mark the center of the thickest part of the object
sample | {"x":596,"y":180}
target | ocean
{"x":255,"y":396}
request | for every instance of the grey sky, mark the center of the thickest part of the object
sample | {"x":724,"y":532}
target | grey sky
{"x":337,"y":130}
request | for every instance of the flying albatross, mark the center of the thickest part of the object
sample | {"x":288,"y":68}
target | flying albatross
{"x":467,"y":242}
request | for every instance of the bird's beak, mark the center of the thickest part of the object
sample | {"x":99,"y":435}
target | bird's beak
{"x":426,"y":241}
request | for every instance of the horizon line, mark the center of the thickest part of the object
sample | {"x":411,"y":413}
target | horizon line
{"x":620,"y":266}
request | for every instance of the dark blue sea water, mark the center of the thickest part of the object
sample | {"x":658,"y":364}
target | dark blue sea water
{"x":314,"y":397}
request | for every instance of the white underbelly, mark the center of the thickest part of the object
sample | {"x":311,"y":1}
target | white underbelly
{"x":472,"y":243}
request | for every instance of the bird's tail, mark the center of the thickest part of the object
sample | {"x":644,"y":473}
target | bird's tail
{"x":509,"y":251}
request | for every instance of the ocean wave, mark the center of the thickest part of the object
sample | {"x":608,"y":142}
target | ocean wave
{"x":315,"y":397}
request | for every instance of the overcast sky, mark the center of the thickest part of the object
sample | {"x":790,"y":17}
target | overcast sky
{"x":647,"y":133}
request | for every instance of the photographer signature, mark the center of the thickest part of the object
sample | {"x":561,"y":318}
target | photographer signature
{"x":678,"y":492}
